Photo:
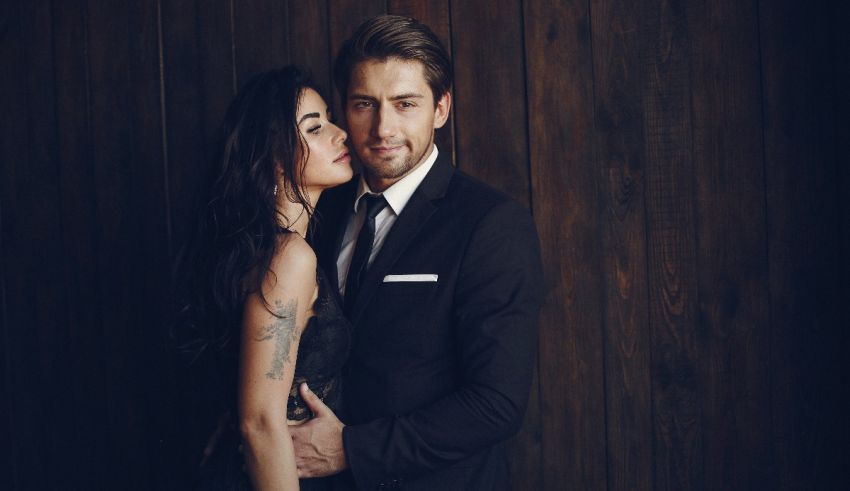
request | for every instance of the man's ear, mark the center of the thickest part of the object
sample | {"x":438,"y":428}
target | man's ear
{"x":441,"y":112}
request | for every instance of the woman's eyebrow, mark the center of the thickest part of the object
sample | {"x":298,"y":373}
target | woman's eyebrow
{"x":308,"y":115}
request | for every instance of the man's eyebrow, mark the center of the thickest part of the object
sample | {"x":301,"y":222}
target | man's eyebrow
{"x":409,"y":95}
{"x":308,"y":115}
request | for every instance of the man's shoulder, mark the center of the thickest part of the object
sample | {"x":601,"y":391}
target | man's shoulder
{"x":478,"y":196}
{"x":339,"y":194}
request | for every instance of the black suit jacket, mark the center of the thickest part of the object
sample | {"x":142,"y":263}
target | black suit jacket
{"x":439,"y":372}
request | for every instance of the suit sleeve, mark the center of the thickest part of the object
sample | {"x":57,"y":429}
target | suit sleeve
{"x":497,"y":302}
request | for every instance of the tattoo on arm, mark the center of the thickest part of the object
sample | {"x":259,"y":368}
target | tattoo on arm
{"x":283,"y":331}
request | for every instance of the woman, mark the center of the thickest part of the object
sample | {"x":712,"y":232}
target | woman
{"x":255,"y":291}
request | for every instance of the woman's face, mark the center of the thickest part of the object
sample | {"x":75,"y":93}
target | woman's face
{"x":328,"y":163}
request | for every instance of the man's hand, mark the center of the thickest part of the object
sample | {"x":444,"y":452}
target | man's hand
{"x":318,"y":442}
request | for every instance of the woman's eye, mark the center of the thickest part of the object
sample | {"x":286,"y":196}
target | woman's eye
{"x":314,"y":129}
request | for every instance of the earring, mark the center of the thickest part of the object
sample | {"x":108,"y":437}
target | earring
{"x":275,"y":190}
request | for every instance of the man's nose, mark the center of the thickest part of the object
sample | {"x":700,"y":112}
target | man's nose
{"x":384,"y":124}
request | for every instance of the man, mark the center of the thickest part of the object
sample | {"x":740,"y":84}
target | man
{"x":441,"y":279}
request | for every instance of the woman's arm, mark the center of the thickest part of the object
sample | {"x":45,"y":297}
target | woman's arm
{"x":268,"y":349}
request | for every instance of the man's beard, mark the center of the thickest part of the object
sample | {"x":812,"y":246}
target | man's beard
{"x":394,"y":171}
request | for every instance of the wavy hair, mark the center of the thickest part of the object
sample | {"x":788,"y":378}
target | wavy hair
{"x":239,"y":222}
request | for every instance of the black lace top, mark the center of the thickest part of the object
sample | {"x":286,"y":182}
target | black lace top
{"x":322,"y":352}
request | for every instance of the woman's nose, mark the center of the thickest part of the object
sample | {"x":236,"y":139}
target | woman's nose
{"x":341,"y":134}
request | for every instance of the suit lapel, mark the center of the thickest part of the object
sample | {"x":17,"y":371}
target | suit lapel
{"x":334,"y":208}
{"x":417,"y":211}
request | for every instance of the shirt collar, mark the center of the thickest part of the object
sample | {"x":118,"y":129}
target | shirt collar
{"x":400,"y":192}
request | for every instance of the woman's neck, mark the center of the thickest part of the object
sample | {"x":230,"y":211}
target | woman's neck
{"x":298,"y":217}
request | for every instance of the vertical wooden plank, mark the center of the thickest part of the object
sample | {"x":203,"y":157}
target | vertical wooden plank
{"x":838,"y":18}
{"x":260,"y":37}
{"x":85,"y":409}
{"x":840,"y":39}
{"x":32,"y":256}
{"x":8,"y":457}
{"x":309,"y":42}
{"x":564,"y":186}
{"x":132,"y":239}
{"x":151,"y":364}
{"x":12,"y":149}
{"x":199,"y":80}
{"x":9,"y":105}
{"x":108,"y":67}
{"x":803,"y":236}
{"x":733,"y":318}
{"x":619,"y":147}
{"x":665,"y":78}
{"x":486,"y":40}
{"x":434,"y":14}
{"x":8,"y":464}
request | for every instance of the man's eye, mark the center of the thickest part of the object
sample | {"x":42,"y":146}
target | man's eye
{"x":407,"y":104}
{"x":363,"y":104}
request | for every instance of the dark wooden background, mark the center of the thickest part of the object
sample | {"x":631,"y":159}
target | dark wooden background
{"x":686,"y":162}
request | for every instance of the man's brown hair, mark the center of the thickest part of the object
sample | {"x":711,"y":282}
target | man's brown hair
{"x":394,"y":36}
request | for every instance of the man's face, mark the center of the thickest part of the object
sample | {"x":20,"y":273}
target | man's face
{"x":391,"y":118}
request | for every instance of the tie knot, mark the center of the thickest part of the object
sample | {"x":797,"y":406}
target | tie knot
{"x":374,"y":204}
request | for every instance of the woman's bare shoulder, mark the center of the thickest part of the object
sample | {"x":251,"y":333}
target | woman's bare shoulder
{"x":294,"y":259}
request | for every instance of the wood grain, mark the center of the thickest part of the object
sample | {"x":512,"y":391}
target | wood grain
{"x":564,"y":193}
{"x":677,"y":444}
{"x":685,"y":162}
{"x":620,"y":160}
{"x":733,"y":317}
{"x":487,"y":45}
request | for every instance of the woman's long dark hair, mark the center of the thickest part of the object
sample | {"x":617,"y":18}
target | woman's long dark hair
{"x":239,"y":223}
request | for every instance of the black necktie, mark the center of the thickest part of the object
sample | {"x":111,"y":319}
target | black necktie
{"x":363,"y":249}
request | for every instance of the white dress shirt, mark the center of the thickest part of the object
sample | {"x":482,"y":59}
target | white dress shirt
{"x":397,"y":197}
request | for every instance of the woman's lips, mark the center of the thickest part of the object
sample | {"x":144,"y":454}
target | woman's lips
{"x":344,"y":157}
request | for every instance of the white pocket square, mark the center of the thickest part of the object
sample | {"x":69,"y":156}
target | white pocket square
{"x":396,"y":278}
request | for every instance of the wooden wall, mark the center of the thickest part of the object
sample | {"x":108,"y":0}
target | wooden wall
{"x":686,"y":162}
